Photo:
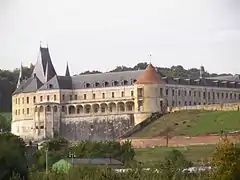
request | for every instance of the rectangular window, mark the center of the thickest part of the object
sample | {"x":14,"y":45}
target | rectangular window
{"x":204,"y":95}
{"x":199,"y":94}
{"x":34,"y":99}
{"x":179,"y":93}
{"x":230,"y":95}
{"x":132,"y":93}
{"x":22,"y":111}
{"x":94,"y":96}
{"x":48,"y":98}
{"x":103,"y":95}
{"x":85,"y":96}
{"x":173,"y":92}
{"x":70,"y":97}
{"x":185,"y":93}
{"x":22,"y":100}
{"x":76,"y":97}
{"x":41,"y":98}
{"x":122,"y":93}
{"x":27,"y":100}
{"x":190,"y":93}
{"x":63,"y":97}
{"x":112,"y":94}
{"x":161,"y":92}
{"x":27,"y":110}
{"x":140,"y":92}
{"x":213,"y":95}
{"x":194,"y":93}
{"x":166,"y":92}
{"x":55,"y":97}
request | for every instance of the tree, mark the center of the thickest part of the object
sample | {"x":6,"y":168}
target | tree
{"x":12,"y":156}
{"x":226,"y":161}
{"x":5,"y":124}
{"x":174,"y":163}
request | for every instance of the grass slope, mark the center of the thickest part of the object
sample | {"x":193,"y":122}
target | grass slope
{"x":196,"y":154}
{"x":192,"y":123}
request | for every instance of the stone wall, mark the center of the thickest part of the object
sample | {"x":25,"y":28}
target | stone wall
{"x":96,"y":127}
{"x":212,"y":107}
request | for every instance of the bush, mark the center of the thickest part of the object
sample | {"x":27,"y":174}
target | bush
{"x":226,"y":161}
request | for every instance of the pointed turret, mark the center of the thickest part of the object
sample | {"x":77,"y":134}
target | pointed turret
{"x":20,"y":77}
{"x":67,"y":73}
{"x":44,"y":68}
{"x":149,"y":76}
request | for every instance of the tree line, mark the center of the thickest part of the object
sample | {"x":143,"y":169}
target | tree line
{"x":8,"y":78}
{"x":15,"y":162}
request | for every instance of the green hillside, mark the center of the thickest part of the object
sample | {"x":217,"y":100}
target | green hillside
{"x":192,"y":123}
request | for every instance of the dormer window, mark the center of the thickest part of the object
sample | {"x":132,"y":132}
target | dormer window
{"x":50,"y":86}
{"x":97,"y":84}
{"x":88,"y":85}
{"x":106,"y":84}
{"x":124,"y":82}
{"x":115,"y":83}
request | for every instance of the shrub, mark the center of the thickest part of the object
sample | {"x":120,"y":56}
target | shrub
{"x":225,"y":161}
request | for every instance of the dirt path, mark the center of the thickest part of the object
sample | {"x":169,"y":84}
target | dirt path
{"x":179,"y":141}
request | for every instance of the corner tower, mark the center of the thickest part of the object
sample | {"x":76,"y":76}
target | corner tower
{"x":148,"y":90}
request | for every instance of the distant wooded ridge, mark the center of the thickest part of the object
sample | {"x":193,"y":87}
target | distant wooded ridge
{"x":8,"y":78}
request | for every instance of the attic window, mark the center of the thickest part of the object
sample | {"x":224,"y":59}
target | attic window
{"x":125,"y":82}
{"x":115,"y":83}
{"x":50,"y":86}
{"x":106,"y":84}
{"x":88,"y":85}
{"x":97,"y":84}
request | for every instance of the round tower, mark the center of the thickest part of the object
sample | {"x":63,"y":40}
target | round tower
{"x":148,"y":90}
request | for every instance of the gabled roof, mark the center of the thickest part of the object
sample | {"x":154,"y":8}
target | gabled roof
{"x":149,"y":76}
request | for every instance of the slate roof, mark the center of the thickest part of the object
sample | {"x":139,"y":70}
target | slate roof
{"x":44,"y":68}
{"x":227,"y":78}
{"x":95,"y":161}
{"x":44,"y":77}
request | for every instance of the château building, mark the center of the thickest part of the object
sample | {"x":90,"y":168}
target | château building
{"x":105,"y":105}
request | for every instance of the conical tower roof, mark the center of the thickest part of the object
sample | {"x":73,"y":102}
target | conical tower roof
{"x":149,"y":76}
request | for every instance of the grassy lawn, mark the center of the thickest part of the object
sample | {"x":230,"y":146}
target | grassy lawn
{"x":193,"y":122}
{"x":196,"y":154}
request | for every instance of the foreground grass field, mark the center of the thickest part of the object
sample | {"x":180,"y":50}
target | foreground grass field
{"x":196,"y":154}
{"x":193,"y":123}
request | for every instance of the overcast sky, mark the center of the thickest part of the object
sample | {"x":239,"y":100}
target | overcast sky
{"x":101,"y":34}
